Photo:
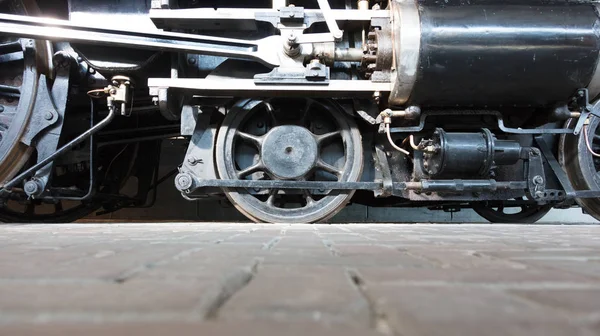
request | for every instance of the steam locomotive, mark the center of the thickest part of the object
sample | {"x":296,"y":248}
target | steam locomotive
{"x":292,"y":110}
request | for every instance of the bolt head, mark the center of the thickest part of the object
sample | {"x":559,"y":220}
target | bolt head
{"x":31,"y":187}
{"x":183,"y":181}
{"x":538,"y":180}
{"x":292,"y":37}
{"x":48,"y":116}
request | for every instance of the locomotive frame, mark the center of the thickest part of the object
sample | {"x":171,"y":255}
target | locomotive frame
{"x":294,"y":110}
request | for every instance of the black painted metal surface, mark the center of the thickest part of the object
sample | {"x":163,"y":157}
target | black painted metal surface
{"x":497,"y":55}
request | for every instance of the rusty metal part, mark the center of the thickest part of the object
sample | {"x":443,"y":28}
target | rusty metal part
{"x":406,"y":35}
{"x":18,"y":109}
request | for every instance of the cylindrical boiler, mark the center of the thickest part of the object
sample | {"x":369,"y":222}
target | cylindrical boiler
{"x":488,"y":54}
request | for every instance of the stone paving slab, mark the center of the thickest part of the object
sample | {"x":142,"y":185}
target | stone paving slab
{"x":263,"y":279}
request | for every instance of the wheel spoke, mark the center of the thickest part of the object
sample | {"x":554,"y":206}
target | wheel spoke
{"x":10,"y":91}
{"x":250,"y":138}
{"x":30,"y":209}
{"x":13,"y":57}
{"x":58,"y":207}
{"x":328,"y":168}
{"x":250,"y":170}
{"x":324,"y":138}
{"x":272,"y":195}
{"x":271,"y":113}
{"x":308,"y":197}
{"x":304,"y":118}
{"x":327,"y":124}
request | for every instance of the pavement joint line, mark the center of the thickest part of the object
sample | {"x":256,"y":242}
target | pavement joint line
{"x":216,"y":297}
{"x":356,"y":233}
{"x":329,"y":245}
{"x":129,"y":274}
{"x":8,"y":318}
{"x":417,"y":256}
{"x":556,"y":294}
{"x":378,"y":318}
{"x":271,"y":243}
{"x":498,"y":285}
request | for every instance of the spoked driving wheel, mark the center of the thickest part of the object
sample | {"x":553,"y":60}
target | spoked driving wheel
{"x":581,"y":163}
{"x":22,"y":62}
{"x":290,"y":140}
{"x":522,"y":213}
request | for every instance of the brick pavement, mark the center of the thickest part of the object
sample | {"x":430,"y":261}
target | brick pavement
{"x":253,"y":279}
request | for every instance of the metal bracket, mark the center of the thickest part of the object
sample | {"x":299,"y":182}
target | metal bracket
{"x":582,"y":99}
{"x":45,"y":112}
{"x":45,"y":128}
{"x":169,"y":103}
{"x":383,"y":173}
{"x":314,"y":73}
{"x":498,"y":115}
{"x":198,"y":164}
{"x":536,"y":179}
{"x":291,"y":14}
{"x":560,"y":174}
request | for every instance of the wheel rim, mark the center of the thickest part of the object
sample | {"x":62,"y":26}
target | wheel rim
{"x":582,"y":168}
{"x":524,"y":213}
{"x":283,"y":139}
{"x":17,"y":95}
{"x":19,"y":75}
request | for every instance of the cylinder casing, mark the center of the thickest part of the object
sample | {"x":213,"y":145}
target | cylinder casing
{"x":494,"y":55}
{"x":468,"y":155}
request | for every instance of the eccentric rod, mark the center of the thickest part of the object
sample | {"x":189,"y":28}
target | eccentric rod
{"x":15,"y":181}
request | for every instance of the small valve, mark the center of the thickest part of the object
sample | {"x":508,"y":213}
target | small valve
{"x":119,"y":92}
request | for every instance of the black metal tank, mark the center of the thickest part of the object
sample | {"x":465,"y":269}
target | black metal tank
{"x":493,"y":55}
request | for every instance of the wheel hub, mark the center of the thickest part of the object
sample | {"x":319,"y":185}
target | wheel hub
{"x":302,"y":139}
{"x":289,"y":152}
